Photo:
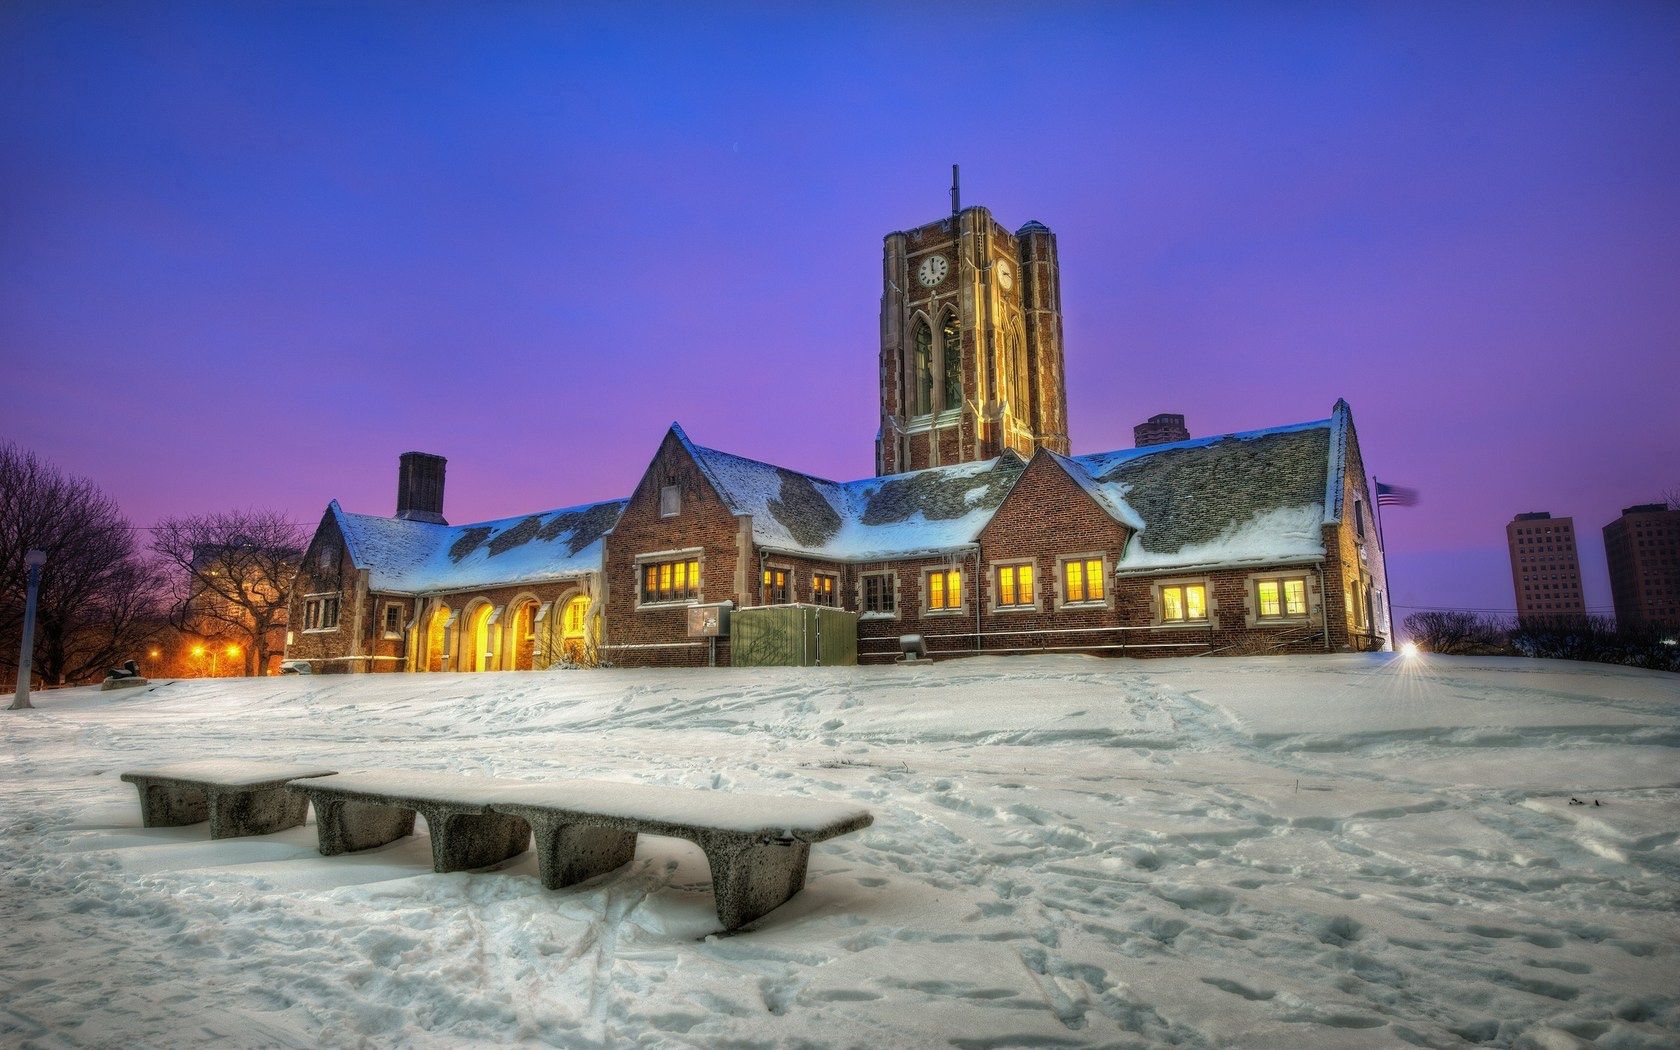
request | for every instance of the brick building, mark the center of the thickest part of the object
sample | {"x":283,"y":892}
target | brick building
{"x":979,"y":531}
{"x":1545,"y":568}
{"x":1643,"y":548}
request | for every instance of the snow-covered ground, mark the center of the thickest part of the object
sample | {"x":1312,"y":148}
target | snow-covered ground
{"x":1312,"y":852}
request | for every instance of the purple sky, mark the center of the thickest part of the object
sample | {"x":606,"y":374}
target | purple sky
{"x":250,"y":253}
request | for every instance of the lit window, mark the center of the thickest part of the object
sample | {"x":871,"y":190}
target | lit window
{"x":944,"y":589}
{"x":670,"y":501}
{"x":775,"y":587}
{"x":670,"y":581}
{"x":1282,"y":597}
{"x":1084,"y":580}
{"x":1015,"y":586}
{"x":878,"y":593}
{"x":822,"y":588}
{"x":1184,"y":601}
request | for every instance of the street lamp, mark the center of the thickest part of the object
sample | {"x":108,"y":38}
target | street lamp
{"x":33,"y":562}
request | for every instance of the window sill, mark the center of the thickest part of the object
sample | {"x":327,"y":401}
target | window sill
{"x":878,"y":616}
{"x":1002,"y":610}
{"x":1078,"y":606}
{"x":1281,"y":621}
{"x":321,"y":630}
{"x":944,"y":612}
{"x":674,"y":604}
{"x":1184,"y":623}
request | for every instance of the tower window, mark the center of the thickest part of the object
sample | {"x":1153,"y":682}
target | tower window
{"x":922,"y":379}
{"x":950,"y":343}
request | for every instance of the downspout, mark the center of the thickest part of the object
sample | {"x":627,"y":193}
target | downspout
{"x":978,"y":636}
{"x":1323,"y":608}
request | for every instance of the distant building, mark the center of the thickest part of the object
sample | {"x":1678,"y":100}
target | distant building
{"x":1545,"y":567}
{"x":1163,"y":429}
{"x":1643,"y":548}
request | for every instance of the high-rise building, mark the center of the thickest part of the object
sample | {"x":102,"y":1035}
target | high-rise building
{"x":1161,"y":429}
{"x":1545,"y":568}
{"x":1643,"y":548}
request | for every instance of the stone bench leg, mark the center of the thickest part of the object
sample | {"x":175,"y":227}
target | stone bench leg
{"x":571,"y":853}
{"x":345,"y":827}
{"x":750,"y":878}
{"x":171,"y":805}
{"x":237,"y":813}
{"x":461,"y":841}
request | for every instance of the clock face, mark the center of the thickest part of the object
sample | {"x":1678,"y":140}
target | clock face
{"x":1005,"y":274}
{"x":933,"y":270}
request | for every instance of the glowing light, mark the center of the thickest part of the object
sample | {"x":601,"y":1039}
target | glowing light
{"x":233,"y":650}
{"x":198,"y":650}
{"x":154,"y":654}
{"x":1409,"y":650}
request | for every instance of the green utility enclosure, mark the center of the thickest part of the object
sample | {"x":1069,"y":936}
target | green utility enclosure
{"x":793,"y":636}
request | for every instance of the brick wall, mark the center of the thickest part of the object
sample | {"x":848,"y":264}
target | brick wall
{"x":706,"y":523}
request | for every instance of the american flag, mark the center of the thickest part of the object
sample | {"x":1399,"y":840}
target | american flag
{"x":1396,"y":496}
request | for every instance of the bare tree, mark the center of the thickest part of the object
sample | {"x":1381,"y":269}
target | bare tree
{"x":229,"y":576}
{"x":99,"y":597}
{"x":1672,"y":498}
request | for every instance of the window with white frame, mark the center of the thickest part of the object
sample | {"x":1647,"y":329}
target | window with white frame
{"x":1015,"y":586}
{"x":320,"y":612}
{"x":1281,"y":599}
{"x":1184,"y":602}
{"x":943,"y":590}
{"x":879,"y":593}
{"x":393,"y":620}
{"x":824,"y":585}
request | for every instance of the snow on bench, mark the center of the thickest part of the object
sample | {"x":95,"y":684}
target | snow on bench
{"x":757,"y":846}
{"x":236,"y":797}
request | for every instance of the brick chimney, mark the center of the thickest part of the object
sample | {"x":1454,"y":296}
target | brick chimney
{"x":420,"y":487}
{"x":1159,"y":430}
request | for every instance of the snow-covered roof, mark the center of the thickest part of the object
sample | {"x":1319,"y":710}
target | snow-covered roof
{"x":1229,"y":499}
{"x":416,"y":556}
{"x":921,"y":512}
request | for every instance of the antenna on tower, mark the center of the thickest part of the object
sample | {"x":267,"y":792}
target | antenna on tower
{"x":956,"y":191}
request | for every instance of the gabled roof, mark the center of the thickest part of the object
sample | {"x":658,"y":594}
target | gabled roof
{"x":1259,"y":496}
{"x":1229,"y":500}
{"x":922,"y":512}
{"x":410,"y":557}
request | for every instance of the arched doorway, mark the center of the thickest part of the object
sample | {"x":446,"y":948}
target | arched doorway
{"x":574,"y":629}
{"x":521,"y":634}
{"x":478,"y":641}
{"x":437,"y":637}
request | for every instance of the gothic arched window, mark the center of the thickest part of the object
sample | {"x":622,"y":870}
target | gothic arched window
{"x":950,"y":342}
{"x":922,"y":371}
{"x":1023,"y":388}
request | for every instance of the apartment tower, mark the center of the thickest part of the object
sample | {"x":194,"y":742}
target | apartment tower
{"x":1643,"y":548}
{"x":1545,"y":568}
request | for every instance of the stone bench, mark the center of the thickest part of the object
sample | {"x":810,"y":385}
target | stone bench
{"x":756,"y":846}
{"x":237,"y":798}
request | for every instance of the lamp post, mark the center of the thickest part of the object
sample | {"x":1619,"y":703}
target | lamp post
{"x":33,"y":562}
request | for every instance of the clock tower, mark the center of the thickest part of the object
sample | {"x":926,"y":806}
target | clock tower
{"x":971,"y":343}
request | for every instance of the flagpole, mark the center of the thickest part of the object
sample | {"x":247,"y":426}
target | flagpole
{"x":1382,"y":543}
